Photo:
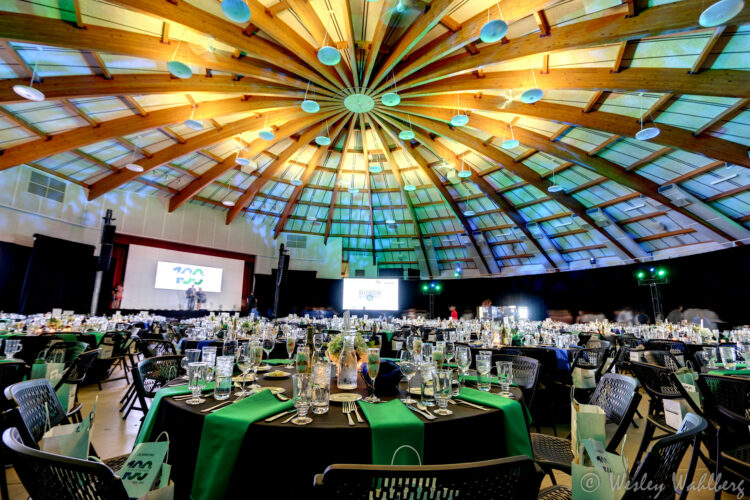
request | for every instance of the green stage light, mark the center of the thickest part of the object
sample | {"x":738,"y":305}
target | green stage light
{"x":424,"y":287}
{"x":437,"y":287}
{"x":641,"y":275}
{"x":661,"y":273}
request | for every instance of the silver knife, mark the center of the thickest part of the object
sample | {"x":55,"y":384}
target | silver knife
{"x":417,"y":410}
{"x":279,"y":415}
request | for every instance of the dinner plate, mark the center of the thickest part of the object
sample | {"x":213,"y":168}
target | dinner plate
{"x":264,"y":368}
{"x":418,"y":391}
{"x":344,"y":397}
{"x":274,"y":390}
{"x":274,"y":376}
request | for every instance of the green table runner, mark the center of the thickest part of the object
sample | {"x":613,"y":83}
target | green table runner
{"x":67,"y":337}
{"x":277,"y":362}
{"x":514,"y":421}
{"x":393,"y":425}
{"x":221,"y":440}
{"x":148,"y":423}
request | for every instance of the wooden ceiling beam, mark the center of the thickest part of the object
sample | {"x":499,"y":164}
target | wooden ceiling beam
{"x":10,"y":57}
{"x":706,"y":51}
{"x":67,"y":103}
{"x":604,"y":145}
{"x":381,"y":29}
{"x":614,"y":28}
{"x":334,"y":195}
{"x":678,"y":232}
{"x":25,"y":124}
{"x":350,"y":41}
{"x":368,"y":177}
{"x":648,"y":159}
{"x":726,"y":115}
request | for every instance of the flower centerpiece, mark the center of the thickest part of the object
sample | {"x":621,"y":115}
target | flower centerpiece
{"x":336,"y":343}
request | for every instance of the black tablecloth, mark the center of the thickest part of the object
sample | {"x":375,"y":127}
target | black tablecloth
{"x":286,"y":457}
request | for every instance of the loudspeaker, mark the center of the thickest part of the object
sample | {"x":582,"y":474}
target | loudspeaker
{"x":284,"y":261}
{"x":108,"y":242}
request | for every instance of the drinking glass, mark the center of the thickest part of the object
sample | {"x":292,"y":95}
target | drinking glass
{"x":302,"y":397}
{"x":208,"y":356}
{"x":291,"y":340}
{"x":438,"y":356}
{"x":302,"y":360}
{"x":191,"y":356}
{"x":427,"y":371}
{"x":414,"y":344}
{"x":427,"y":348}
{"x":373,"y":367}
{"x":223,"y":377}
{"x":12,"y":346}
{"x":255,"y":353}
{"x":728,"y":357}
{"x":711,"y":356}
{"x":245,"y":363}
{"x":230,"y":347}
{"x":463,"y":360}
{"x":196,"y":382}
{"x":321,"y":390}
{"x":505,"y":377}
{"x":443,"y":393}
{"x":408,"y":366}
{"x":269,"y":342}
{"x":450,"y":351}
{"x":484,"y":370}
{"x":318,"y":341}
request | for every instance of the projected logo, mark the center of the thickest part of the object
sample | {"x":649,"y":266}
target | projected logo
{"x":181,"y":280}
{"x":178,"y":276}
{"x":370,"y":295}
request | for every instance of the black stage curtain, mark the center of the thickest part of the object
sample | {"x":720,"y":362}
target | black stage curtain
{"x":14,"y":259}
{"x":60,"y":274}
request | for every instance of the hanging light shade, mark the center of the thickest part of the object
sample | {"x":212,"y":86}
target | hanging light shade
{"x":134,"y":167}
{"x":464,"y":174}
{"x":236,"y":10}
{"x":179,"y":70}
{"x":323,"y":140}
{"x":531,"y":96}
{"x":375,"y":169}
{"x":720,"y":13}
{"x":469,"y":213}
{"x":330,"y":56}
{"x":410,"y":187}
{"x":390,"y":99}
{"x":309,"y":106}
{"x":647,"y":133}
{"x":555,"y":188}
{"x":267,"y":134}
{"x":459,"y":120}
{"x":296,"y":181}
{"x":242,"y":161}
{"x":406,"y":135}
{"x":28,"y":92}
{"x":493,"y":31}
{"x":227,"y":203}
{"x":510,"y":144}
{"x":311,"y":218}
{"x":390,"y":221}
{"x":194,"y":124}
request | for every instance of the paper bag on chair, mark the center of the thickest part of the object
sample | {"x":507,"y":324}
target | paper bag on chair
{"x":70,"y":440}
{"x":586,"y":422}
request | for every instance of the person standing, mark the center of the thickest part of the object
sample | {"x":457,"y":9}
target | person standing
{"x":117,"y":296}
{"x":200,"y":296}
{"x":190,"y":296}
{"x":675,"y":315}
{"x":252,"y":304}
{"x":454,"y":313}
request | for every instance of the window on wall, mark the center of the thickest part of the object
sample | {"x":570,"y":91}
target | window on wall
{"x":46,"y":187}
{"x":296,"y":241}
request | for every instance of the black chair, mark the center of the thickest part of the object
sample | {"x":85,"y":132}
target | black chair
{"x":11,"y":372}
{"x":151,"y":348}
{"x":675,"y":347}
{"x":504,"y":478}
{"x":525,"y":376}
{"x":662,"y":358}
{"x":661,"y":383}
{"x":725,"y":404}
{"x":31,"y":346}
{"x":152,"y":374}
{"x":594,"y":359}
{"x":47,"y":476}
{"x":116,"y":345}
{"x":617,"y":396}
{"x":597,"y":344}
{"x":657,"y":468}
{"x":75,"y":374}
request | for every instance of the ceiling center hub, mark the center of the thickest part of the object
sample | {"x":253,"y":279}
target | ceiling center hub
{"x":359,"y":103}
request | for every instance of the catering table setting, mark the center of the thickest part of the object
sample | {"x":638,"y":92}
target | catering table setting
{"x":320,"y":413}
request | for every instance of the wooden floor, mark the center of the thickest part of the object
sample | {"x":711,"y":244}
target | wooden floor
{"x":114,"y":436}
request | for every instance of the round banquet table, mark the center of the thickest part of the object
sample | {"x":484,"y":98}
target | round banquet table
{"x":287,"y":456}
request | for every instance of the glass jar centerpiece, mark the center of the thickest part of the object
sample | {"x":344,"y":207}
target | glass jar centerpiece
{"x":348,"y":352}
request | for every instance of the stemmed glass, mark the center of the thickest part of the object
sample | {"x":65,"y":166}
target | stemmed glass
{"x":505,"y":376}
{"x":442,"y":387}
{"x":255,"y":353}
{"x":408,"y":366}
{"x":414,"y":344}
{"x":245,"y":363}
{"x":450,"y":351}
{"x":463,"y":360}
{"x":269,"y":342}
{"x":373,"y":367}
{"x":196,"y":373}
{"x":302,"y":397}
{"x":438,"y":355}
{"x":318,"y":341}
{"x":291,"y":340}
{"x":191,"y":356}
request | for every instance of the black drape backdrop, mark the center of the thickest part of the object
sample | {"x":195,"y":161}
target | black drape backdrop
{"x":719,"y":281}
{"x":14,"y":259}
{"x":60,"y":274}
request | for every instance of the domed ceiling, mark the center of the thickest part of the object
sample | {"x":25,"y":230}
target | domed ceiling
{"x":519,"y":136}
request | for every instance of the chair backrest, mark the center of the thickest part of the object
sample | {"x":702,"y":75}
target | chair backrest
{"x":77,"y":371}
{"x":726,"y":398}
{"x":591,"y":358}
{"x":36,"y":401}
{"x":673,"y":346}
{"x":617,"y":395}
{"x":661,"y":358}
{"x":596,"y":343}
{"x":31,"y":346}
{"x":73,"y":350}
{"x":117,"y":340}
{"x":525,"y":373}
{"x":47,"y":476}
{"x":152,"y":347}
{"x":504,"y":478}
{"x":663,"y":459}
{"x":151,"y":374}
{"x":661,"y":383}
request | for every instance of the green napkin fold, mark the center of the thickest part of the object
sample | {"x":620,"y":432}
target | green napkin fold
{"x":739,"y":371}
{"x":393,"y":425}
{"x":144,"y":434}
{"x":514,"y":420}
{"x":388,"y":335}
{"x":221,"y":440}
{"x":276,"y":361}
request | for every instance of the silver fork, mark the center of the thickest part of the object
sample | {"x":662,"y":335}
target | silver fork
{"x":347,"y":408}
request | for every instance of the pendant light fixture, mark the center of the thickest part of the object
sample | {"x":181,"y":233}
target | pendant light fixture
{"x":328,"y":55}
{"x":191,"y":123}
{"x":459,"y":119}
{"x":28,"y":91}
{"x":720,"y":13}
{"x":239,"y":159}
{"x":463,"y":173}
{"x":512,"y":142}
{"x":131,"y":165}
{"x":534,"y":94}
{"x":407,"y":135}
{"x":309,"y":105}
{"x":227,"y":202}
{"x":644,"y":134}
{"x":375,"y":169}
{"x":391,"y":98}
{"x":266,"y":133}
{"x":469,"y":213}
{"x":236,"y":10}
{"x":493,"y":30}
{"x":410,"y":187}
{"x":324,"y":140}
{"x":296,"y":182}
{"x":176,"y":68}
{"x":554,"y":187}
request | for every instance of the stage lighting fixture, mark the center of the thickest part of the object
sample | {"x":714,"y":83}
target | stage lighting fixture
{"x":592,"y":261}
{"x":640,"y":275}
{"x":661,"y":273}
{"x":652,"y":269}
{"x":424,"y":288}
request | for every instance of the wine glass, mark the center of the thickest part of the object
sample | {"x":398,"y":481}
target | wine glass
{"x":408,"y":366}
{"x":438,"y":355}
{"x":318,"y":341}
{"x":414,"y":344}
{"x":373,"y":367}
{"x":427,"y":348}
{"x":291,"y":340}
{"x":245,"y":363}
{"x":255,"y":353}
{"x":302,"y":397}
{"x":269,"y":342}
{"x":442,"y":389}
{"x":463,"y":359}
{"x":505,"y":376}
{"x":196,"y":373}
{"x":450,"y":351}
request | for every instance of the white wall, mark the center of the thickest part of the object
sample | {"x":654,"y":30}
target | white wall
{"x":140,"y":274}
{"x":22,"y":214}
